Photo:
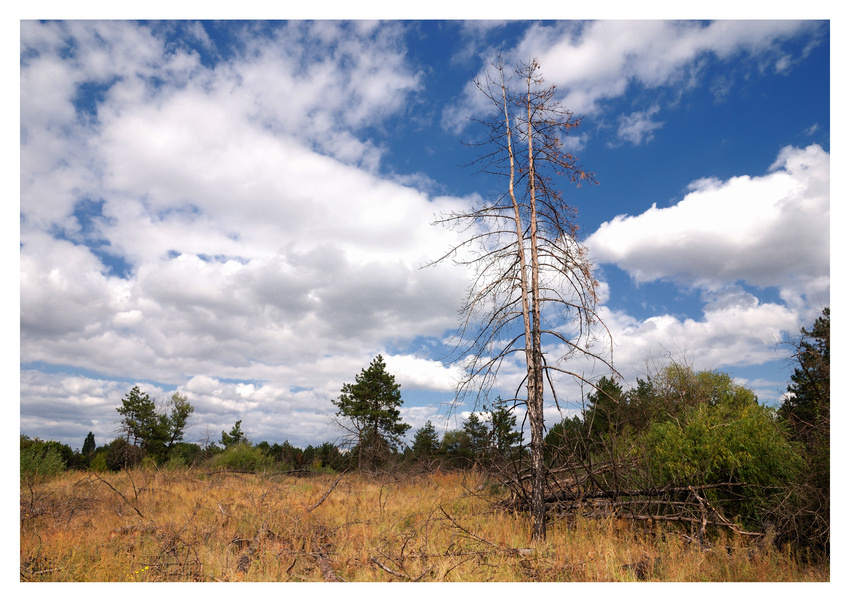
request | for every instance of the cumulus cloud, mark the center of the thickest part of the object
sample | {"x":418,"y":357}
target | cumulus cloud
{"x":594,"y":62}
{"x":769,"y":230}
{"x":259,"y":242}
{"x":737,"y":331}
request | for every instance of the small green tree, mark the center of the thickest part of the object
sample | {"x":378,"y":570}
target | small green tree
{"x":139,"y":421}
{"x":329,"y":456}
{"x":602,"y":414}
{"x":565,"y":440}
{"x":710,"y":430}
{"x":41,"y":459}
{"x":478,"y":436}
{"x":286,"y":454}
{"x":455,"y":445}
{"x":89,"y":446}
{"x":174,"y":423}
{"x":426,"y":443}
{"x":368,"y":411}
{"x":503,"y":437}
{"x":806,"y":408}
{"x":154,"y":431}
{"x":726,"y":444}
{"x":242,"y":457}
{"x":235,"y":437}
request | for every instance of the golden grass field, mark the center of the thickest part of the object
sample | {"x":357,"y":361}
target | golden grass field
{"x":189,"y":525}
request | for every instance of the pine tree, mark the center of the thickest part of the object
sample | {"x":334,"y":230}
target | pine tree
{"x":425,"y":442}
{"x":139,"y":418}
{"x":808,"y":403}
{"x":603,"y":408}
{"x":235,"y":437}
{"x":502,"y":423}
{"x":89,"y":446}
{"x":807,"y":413}
{"x":478,"y":435}
{"x":369,"y":413}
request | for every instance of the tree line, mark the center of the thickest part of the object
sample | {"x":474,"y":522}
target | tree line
{"x":152,"y":436}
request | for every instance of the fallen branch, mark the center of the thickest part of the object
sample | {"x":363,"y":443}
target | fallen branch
{"x":136,"y":509}
{"x":325,"y":496}
{"x":704,"y":503}
{"x":510,"y":550}
{"x":388,"y":570}
{"x":325,"y":565}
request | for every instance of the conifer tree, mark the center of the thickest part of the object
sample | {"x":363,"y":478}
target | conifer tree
{"x":426,"y":442}
{"x":369,"y":413}
{"x":89,"y":446}
{"x":235,"y":437}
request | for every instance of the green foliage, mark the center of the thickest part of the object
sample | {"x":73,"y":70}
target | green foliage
{"x":603,"y":413}
{"x":711,"y":444}
{"x":174,"y":423}
{"x":120,"y":454}
{"x":139,"y":418}
{"x":89,"y":446}
{"x":455,"y":444}
{"x":806,"y":408}
{"x":426,"y":443}
{"x":185,"y":453}
{"x":155,"y":432}
{"x":242,"y":457}
{"x":369,"y":412}
{"x":286,"y":454}
{"x":99,"y":463}
{"x":721,"y":435}
{"x":565,"y":440}
{"x":503,"y":437}
{"x":235,"y":437}
{"x":40,"y":460}
{"x":674,"y":389}
{"x":489,"y":435}
{"x":477,"y":436}
{"x":806,"y":411}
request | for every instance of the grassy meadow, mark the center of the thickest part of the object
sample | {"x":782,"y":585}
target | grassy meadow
{"x":190,"y":525}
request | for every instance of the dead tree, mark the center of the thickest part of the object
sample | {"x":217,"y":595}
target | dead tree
{"x":532,"y":278}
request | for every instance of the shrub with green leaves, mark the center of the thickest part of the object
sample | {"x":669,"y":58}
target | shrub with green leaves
{"x":726,"y":442}
{"x":243,"y":457}
{"x":41,"y":461}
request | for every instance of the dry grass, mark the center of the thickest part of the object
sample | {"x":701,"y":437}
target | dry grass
{"x":191,"y":526}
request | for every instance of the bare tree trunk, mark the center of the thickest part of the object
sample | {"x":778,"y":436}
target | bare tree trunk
{"x":514,"y":240}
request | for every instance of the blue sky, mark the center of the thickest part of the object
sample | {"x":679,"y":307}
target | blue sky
{"x":240,"y":210}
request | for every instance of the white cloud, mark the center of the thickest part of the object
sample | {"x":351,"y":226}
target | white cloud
{"x":737,"y":332}
{"x":638,"y":127}
{"x":761,"y":231}
{"x":422,"y":374}
{"x":769,"y":230}
{"x":594,"y":62}
{"x":264,"y":249}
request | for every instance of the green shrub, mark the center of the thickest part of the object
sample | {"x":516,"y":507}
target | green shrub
{"x":727,"y":442}
{"x":243,"y":457}
{"x":99,"y":464}
{"x":175,"y":462}
{"x":40,"y":462}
